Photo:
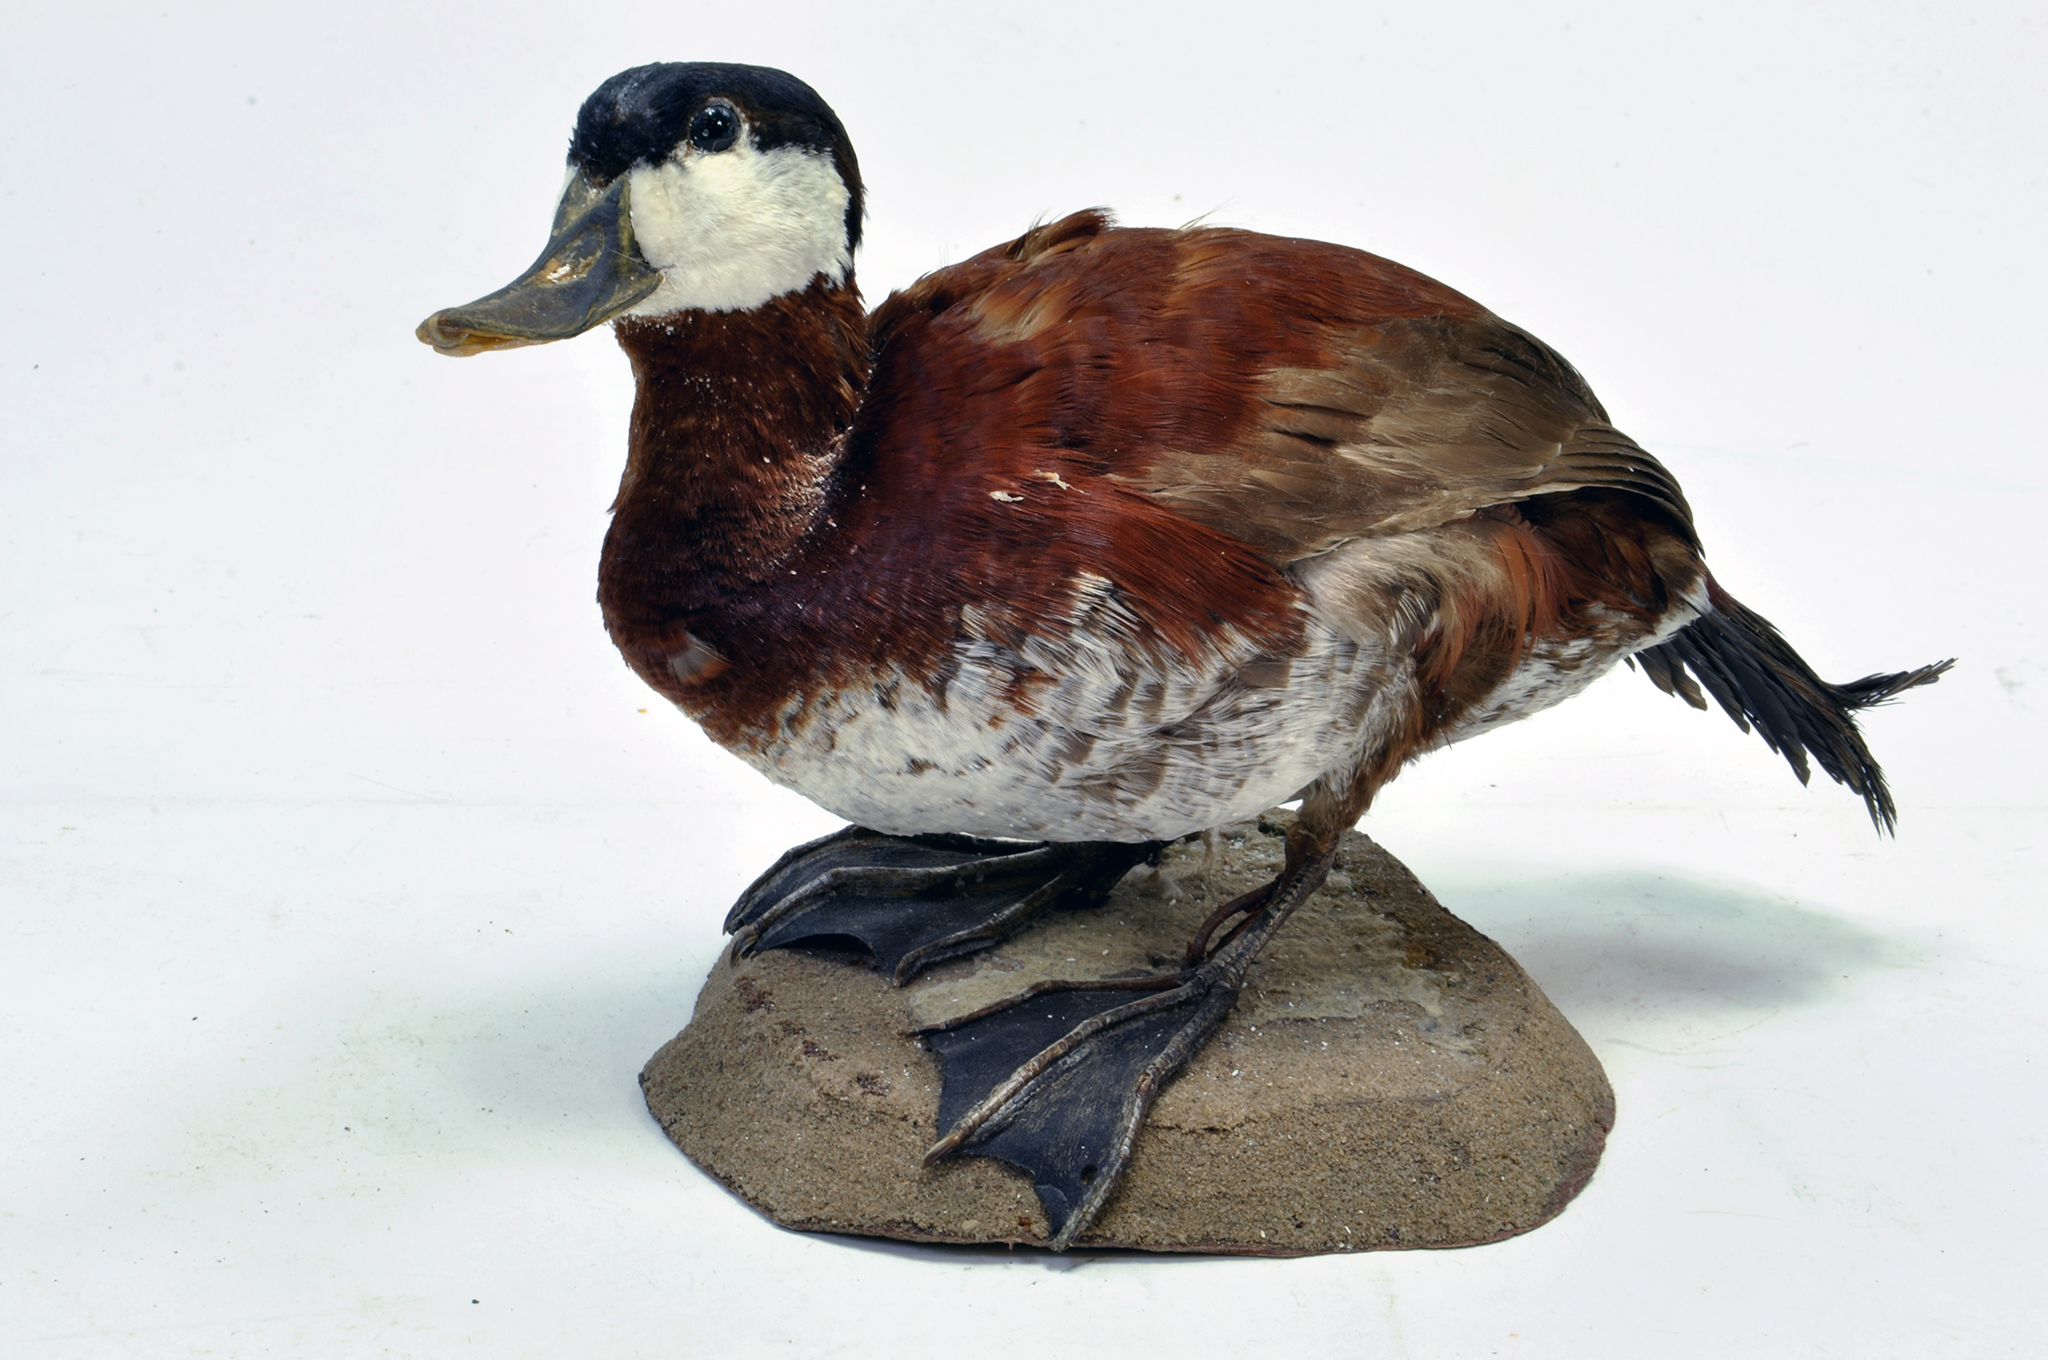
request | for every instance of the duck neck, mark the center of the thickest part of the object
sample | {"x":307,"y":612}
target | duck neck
{"x":739,"y":422}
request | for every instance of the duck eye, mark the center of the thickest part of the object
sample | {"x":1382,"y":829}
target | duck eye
{"x":715,"y":127}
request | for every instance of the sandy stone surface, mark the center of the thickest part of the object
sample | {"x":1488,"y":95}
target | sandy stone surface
{"x":1390,"y":1078}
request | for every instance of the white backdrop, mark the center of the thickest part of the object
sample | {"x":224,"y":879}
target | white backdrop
{"x":349,"y":878}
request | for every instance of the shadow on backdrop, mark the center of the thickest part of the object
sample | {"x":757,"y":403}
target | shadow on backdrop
{"x":505,"y":1066}
{"x":1606,"y":945}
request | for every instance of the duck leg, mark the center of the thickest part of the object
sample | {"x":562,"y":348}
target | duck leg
{"x":917,"y":900}
{"x":1058,"y":1080}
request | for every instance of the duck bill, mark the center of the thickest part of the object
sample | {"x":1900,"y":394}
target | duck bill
{"x":590,"y":272}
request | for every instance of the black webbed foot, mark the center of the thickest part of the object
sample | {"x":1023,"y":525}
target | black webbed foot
{"x":916,"y":900}
{"x":1058,"y":1080}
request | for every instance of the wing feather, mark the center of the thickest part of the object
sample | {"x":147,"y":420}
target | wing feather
{"x":1419,"y":422}
{"x":1291,"y":394}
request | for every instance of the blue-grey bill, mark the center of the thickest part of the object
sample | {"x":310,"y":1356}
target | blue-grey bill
{"x":590,"y":272}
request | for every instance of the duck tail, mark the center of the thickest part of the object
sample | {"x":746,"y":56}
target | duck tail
{"x":1760,"y":682}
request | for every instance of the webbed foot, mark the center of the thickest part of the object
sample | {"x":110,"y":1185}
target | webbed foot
{"x":1058,"y":1080}
{"x":917,"y":900}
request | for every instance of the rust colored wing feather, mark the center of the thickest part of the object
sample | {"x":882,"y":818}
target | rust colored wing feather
{"x":1290,"y":395}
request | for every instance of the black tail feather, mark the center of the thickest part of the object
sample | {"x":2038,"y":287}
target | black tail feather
{"x":1760,"y":682}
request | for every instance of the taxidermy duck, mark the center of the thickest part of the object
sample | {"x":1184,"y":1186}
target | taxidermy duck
{"x":1103,"y":537}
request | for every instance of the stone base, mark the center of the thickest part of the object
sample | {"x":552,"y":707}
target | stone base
{"x":1389,"y":1078}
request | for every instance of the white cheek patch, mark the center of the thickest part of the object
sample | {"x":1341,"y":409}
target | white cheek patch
{"x":730,"y":230}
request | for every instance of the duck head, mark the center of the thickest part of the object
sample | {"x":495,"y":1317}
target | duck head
{"x":691,"y":185}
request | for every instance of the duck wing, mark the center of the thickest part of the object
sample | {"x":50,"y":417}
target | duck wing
{"x":1291,"y":395}
{"x":1414,"y":423}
